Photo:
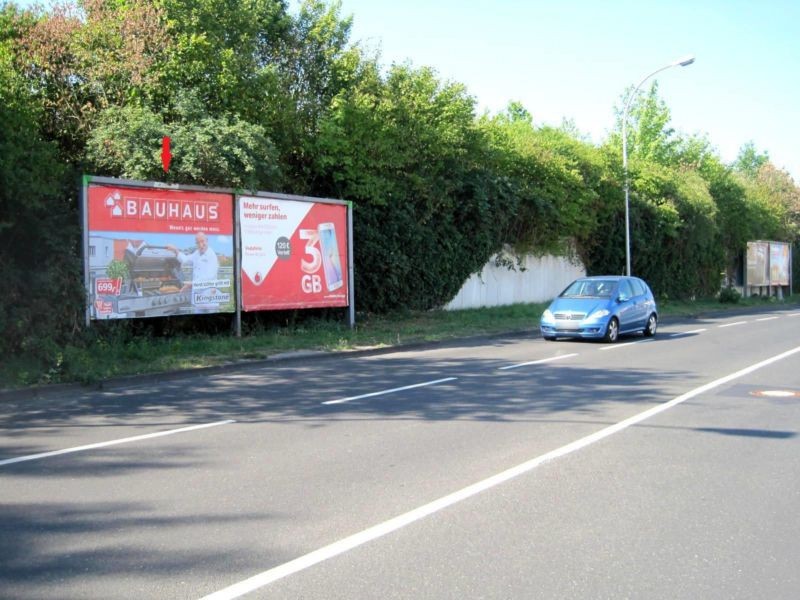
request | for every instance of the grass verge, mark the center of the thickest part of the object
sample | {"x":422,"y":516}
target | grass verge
{"x":105,"y":358}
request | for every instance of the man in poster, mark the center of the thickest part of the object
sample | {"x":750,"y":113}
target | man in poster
{"x":205,"y":267}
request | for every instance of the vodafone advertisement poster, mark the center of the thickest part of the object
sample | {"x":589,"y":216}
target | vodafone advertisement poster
{"x":780,"y":261}
{"x":294,"y":253}
{"x":156,"y":252}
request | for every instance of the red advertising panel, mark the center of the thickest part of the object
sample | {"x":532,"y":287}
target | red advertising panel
{"x":155,"y":252}
{"x":294,"y":253}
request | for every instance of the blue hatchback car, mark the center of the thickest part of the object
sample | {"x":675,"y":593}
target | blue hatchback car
{"x":603,"y":308}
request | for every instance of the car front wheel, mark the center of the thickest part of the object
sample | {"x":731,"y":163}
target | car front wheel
{"x":652,"y":324}
{"x":612,"y":331}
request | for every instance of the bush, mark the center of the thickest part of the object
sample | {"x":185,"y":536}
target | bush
{"x":729,"y":295}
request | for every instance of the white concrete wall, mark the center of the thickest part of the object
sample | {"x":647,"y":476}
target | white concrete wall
{"x":543,"y":278}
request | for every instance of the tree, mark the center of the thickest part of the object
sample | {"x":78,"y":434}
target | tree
{"x":543,"y":172}
{"x":405,"y":149}
{"x":649,"y":136}
{"x":779,"y":192}
{"x":39,"y":267}
{"x":80,"y":59}
{"x":224,"y":151}
{"x":314,"y":62}
{"x":224,"y":52}
{"x":749,"y":160}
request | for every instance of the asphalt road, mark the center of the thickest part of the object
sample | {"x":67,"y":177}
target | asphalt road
{"x":502,"y":468}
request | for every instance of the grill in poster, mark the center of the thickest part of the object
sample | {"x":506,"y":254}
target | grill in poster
{"x":158,"y":252}
{"x":293,"y":253}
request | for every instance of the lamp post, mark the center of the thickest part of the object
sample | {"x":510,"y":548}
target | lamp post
{"x":682,"y":62}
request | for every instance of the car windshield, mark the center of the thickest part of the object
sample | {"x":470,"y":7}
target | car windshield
{"x":589,"y":288}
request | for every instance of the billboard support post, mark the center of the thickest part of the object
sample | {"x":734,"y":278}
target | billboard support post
{"x":351,"y":309}
{"x":87,"y":283}
{"x":237,"y":266}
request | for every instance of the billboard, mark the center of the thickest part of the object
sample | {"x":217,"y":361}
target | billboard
{"x":154,"y":252}
{"x":293,"y":253}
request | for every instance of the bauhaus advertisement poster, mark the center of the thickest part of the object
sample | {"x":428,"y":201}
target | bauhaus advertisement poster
{"x":293,"y":253}
{"x":156,"y":252}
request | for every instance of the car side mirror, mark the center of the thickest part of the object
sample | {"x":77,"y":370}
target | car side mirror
{"x":622,"y":298}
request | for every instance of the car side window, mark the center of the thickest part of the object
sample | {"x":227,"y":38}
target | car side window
{"x":638,"y":287}
{"x":625,"y":288}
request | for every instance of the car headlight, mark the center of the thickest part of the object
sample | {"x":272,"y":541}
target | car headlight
{"x":598,"y":314}
{"x":547,"y":316}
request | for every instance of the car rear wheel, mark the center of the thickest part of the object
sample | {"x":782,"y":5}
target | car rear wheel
{"x":550,"y":338}
{"x":612,"y":331}
{"x":652,"y":325}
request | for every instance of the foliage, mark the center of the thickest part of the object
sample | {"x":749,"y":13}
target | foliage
{"x":223,"y":151}
{"x":750,"y":160}
{"x":314,"y":62}
{"x":729,"y":295}
{"x":81,"y":59}
{"x":222,"y":52}
{"x":406,"y":151}
{"x":41,"y":296}
{"x":542,"y":174}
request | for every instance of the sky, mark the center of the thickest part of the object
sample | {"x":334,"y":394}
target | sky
{"x":574,"y":59}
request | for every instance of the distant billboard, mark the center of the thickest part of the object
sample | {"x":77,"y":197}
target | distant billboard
{"x":757,"y":263}
{"x":769,"y":263}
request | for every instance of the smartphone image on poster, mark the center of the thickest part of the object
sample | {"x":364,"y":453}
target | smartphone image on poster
{"x":330,"y":256}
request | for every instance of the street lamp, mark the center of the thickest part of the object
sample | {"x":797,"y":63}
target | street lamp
{"x":682,"y":62}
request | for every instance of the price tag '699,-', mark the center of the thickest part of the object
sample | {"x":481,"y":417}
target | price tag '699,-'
{"x":105,"y":286}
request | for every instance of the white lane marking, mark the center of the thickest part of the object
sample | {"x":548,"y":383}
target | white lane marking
{"x":694,"y":331}
{"x":127,"y":440}
{"x":382,"y":529}
{"x":538,"y":362}
{"x":794,"y":314}
{"x":613,"y":346}
{"x":732,"y":324}
{"x":392,"y":391}
{"x":767,"y":319}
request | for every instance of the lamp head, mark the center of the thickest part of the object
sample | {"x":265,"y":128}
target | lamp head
{"x":684,"y":62}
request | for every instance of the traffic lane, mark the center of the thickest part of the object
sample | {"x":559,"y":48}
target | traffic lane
{"x":155,"y":503}
{"x":696,"y":362}
{"x":176,"y":515}
{"x":294,"y":389}
{"x":48,"y":424}
{"x":184,"y":511}
{"x":208,"y":398}
{"x":565,"y":392}
{"x":698,"y":502}
{"x":501,"y":405}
